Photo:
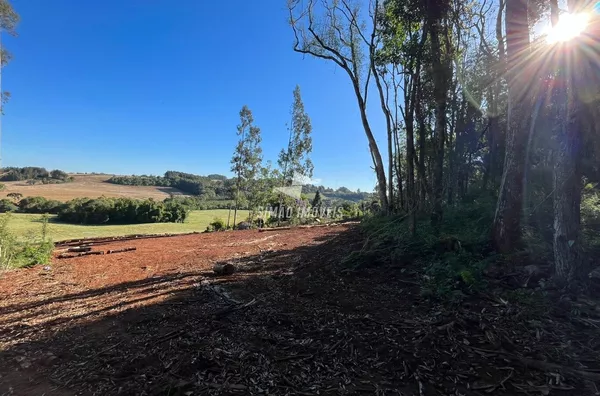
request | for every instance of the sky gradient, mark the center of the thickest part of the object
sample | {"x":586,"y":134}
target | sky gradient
{"x":146,"y":86}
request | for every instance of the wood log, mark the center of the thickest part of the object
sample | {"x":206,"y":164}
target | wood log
{"x":80,"y":249}
{"x":127,"y":249}
{"x":66,"y":255}
{"x":224,"y":269}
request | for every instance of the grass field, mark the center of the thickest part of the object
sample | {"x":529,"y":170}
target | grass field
{"x":87,"y":186}
{"x":24,"y":224}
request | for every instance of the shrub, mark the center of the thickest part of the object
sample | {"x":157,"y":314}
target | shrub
{"x":450,"y":263}
{"x":37,"y":249}
{"x":217,"y":224}
{"x":39,"y":205}
{"x":6,"y":205}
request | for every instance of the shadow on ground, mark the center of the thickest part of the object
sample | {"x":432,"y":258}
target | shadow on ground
{"x":288,"y":322}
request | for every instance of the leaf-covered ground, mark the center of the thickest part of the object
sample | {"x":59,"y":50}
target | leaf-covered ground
{"x":291,"y":321}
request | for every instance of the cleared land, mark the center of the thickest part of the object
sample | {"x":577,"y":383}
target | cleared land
{"x":291,"y":321}
{"x":87,"y":186}
{"x":197,"y":221}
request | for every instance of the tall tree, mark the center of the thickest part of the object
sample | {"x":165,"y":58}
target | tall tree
{"x":436,"y":12}
{"x":335,"y":31}
{"x":506,"y":226}
{"x":246,"y":163}
{"x":8,"y":22}
{"x":295,"y":160}
{"x":567,"y":164}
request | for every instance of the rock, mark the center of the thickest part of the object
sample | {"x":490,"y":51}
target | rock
{"x":224,"y":269}
{"x":244,"y":226}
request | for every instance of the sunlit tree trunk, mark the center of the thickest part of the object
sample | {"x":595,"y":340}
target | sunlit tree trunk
{"x":567,"y":175}
{"x":506,"y":226}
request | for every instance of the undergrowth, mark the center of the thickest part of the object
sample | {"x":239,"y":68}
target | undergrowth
{"x":453,"y":261}
{"x":450,"y":263}
{"x":36,"y":249}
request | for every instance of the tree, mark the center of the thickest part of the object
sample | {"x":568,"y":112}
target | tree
{"x":507,"y":219}
{"x":246,"y":163}
{"x":317,"y":200}
{"x":15,"y":196}
{"x":567,"y":160}
{"x":295,"y":160}
{"x":340,"y":36}
{"x":8,"y":23}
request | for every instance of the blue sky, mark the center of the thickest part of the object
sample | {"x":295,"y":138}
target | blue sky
{"x":145,"y":86}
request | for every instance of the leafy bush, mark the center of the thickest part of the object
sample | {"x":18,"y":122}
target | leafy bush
{"x":217,"y":224}
{"x":39,"y":205}
{"x":6,"y":205}
{"x":37,"y":249}
{"x":450,"y":263}
{"x":35,"y":174}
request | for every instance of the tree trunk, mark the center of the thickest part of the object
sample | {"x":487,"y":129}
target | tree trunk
{"x":567,"y":197}
{"x":506,"y":226}
{"x":422,"y":139}
{"x":567,"y":175}
{"x":377,"y":161}
{"x":410,"y":151}
{"x":439,"y":91}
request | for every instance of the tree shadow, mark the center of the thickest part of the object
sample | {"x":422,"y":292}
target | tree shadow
{"x":290,"y":321}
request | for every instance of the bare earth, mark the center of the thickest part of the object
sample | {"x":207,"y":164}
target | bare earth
{"x":290,"y":321}
{"x":87,"y":186}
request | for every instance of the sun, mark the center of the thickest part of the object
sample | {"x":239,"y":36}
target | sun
{"x":568,"y":27}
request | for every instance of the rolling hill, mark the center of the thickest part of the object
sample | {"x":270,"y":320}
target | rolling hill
{"x":87,"y":185}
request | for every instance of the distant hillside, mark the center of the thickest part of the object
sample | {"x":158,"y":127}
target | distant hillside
{"x":59,"y":185}
{"x":87,"y":185}
{"x":220,"y":187}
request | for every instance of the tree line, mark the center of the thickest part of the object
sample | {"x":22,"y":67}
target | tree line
{"x":35,"y":175}
{"x":474,"y":108}
{"x":100,"y":210}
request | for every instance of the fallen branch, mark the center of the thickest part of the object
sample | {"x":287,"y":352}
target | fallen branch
{"x":227,"y":311}
{"x":80,"y":249}
{"x":274,"y":229}
{"x":66,"y":256}
{"x":128,"y":249}
{"x":543,"y":366}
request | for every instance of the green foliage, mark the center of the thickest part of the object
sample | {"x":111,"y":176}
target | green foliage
{"x":35,"y":175}
{"x":37,"y":249}
{"x":39,"y":205}
{"x":15,"y":196}
{"x":8,"y":244}
{"x":217,"y":224}
{"x":6,"y":205}
{"x":207,"y":187}
{"x":317,"y":200}
{"x":351,"y":211}
{"x":121,"y":211}
{"x":450,"y":264}
{"x":295,"y":160}
{"x":246,"y":163}
{"x":590,"y":207}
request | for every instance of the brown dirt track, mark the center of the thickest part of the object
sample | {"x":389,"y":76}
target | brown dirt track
{"x":157,"y":321}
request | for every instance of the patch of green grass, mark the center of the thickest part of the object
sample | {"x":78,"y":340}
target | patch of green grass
{"x":22,"y":225}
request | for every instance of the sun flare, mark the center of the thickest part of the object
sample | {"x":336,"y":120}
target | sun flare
{"x":568,"y":27}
